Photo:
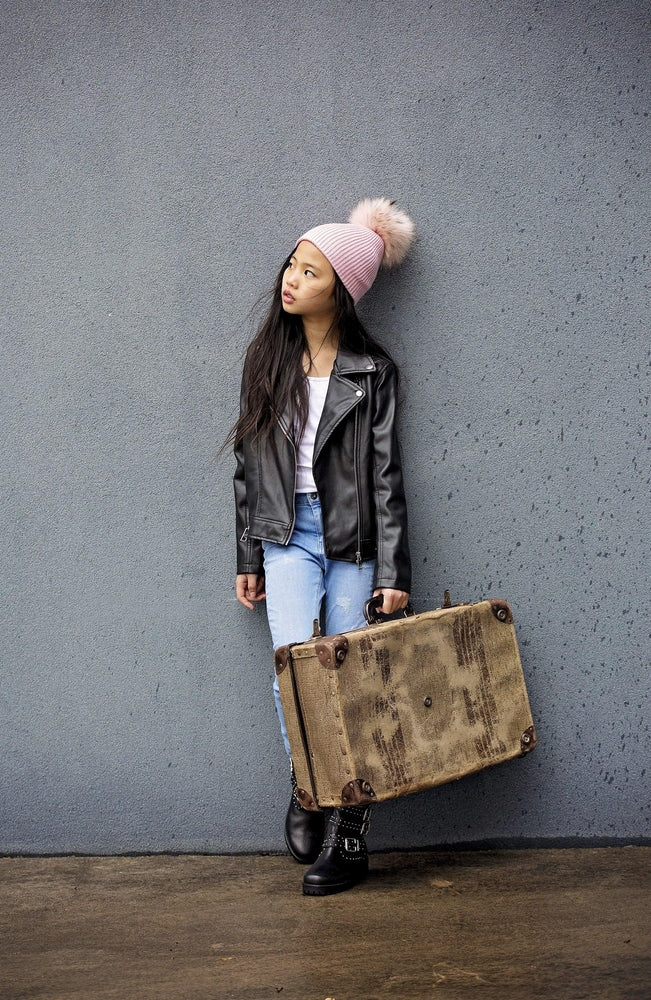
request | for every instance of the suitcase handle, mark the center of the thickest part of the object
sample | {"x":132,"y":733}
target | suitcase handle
{"x":372,"y":610}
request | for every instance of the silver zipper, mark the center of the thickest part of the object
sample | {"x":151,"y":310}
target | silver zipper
{"x":291,"y":528}
{"x":358,"y":554}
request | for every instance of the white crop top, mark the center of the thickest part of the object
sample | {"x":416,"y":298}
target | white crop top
{"x":317,"y":390}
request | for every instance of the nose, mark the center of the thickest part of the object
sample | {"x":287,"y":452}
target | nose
{"x":291,"y":278}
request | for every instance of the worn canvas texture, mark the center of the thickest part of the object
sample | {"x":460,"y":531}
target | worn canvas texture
{"x":403,"y":705}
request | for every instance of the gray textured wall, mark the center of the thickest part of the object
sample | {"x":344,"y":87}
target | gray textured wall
{"x":158,"y":159}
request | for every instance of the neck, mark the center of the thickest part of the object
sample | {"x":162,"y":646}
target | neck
{"x":322,"y":341}
{"x":319,"y":332}
{"x":320,"y":335}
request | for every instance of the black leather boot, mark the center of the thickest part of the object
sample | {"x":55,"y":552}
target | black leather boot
{"x":303,"y":828}
{"x":343,"y":862}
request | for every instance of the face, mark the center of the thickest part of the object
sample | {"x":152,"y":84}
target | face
{"x":308,"y":283}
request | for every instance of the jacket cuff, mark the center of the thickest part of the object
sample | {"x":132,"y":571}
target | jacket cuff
{"x":250,"y":557}
{"x":401,"y":583}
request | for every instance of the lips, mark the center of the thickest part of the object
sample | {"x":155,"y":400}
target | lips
{"x":288,"y":297}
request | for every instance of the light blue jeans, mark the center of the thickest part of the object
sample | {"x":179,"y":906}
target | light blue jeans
{"x":298,"y":578}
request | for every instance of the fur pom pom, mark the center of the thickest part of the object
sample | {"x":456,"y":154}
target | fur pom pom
{"x":395,"y":229}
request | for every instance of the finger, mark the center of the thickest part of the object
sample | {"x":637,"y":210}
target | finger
{"x":241,"y":588}
{"x":393,"y":600}
{"x":256,"y":588}
{"x":243,"y":600}
{"x":388,"y":602}
{"x":386,"y":599}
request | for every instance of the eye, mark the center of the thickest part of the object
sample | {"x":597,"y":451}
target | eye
{"x":310,"y":273}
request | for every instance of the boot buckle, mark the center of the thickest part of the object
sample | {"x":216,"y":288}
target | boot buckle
{"x":351,"y":845}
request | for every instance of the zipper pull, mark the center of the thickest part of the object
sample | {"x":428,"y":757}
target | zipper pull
{"x":358,"y":559}
{"x":245,"y":534}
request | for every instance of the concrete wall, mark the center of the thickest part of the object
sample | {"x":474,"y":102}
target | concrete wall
{"x":158,"y":160}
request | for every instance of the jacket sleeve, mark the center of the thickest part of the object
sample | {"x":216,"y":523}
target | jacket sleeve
{"x":393,"y":558}
{"x":249,"y":550}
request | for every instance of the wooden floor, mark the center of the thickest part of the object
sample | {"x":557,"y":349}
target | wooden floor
{"x":558,"y":924}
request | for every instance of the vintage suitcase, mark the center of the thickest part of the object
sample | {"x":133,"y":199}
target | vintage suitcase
{"x":405,"y":704}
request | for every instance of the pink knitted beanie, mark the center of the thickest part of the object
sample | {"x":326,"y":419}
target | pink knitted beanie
{"x":376,"y":233}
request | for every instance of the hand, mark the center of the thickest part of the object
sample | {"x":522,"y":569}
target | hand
{"x":392,"y":600}
{"x":249,"y":587}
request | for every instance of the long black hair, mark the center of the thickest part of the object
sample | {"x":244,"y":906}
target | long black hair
{"x":274,"y":381}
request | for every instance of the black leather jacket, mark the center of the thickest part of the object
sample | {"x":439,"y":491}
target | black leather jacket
{"x":357,"y":472}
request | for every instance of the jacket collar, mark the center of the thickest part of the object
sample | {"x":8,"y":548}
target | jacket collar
{"x":340,"y":400}
{"x":348,"y":363}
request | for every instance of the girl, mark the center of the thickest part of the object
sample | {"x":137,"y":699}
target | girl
{"x":321,"y":516}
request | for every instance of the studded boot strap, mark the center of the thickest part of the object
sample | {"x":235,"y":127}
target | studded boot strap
{"x":295,"y":798}
{"x":345,"y":831}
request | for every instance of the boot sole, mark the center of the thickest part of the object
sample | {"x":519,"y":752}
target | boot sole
{"x":332,"y":888}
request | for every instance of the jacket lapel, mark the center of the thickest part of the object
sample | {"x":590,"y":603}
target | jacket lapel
{"x":344,"y":393}
{"x":287,"y":424}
